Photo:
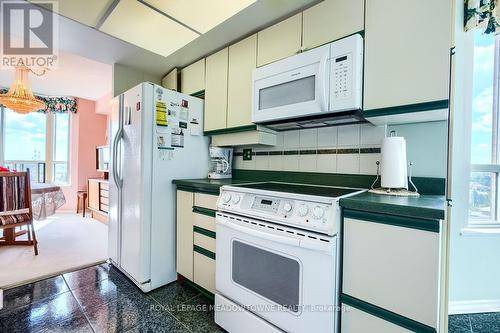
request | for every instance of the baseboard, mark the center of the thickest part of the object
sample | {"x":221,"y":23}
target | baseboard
{"x":479,"y":306}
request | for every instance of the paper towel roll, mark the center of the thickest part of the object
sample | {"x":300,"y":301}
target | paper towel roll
{"x":394,"y":172}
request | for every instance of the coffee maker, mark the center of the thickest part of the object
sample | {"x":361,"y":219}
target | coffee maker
{"x":221,"y":161}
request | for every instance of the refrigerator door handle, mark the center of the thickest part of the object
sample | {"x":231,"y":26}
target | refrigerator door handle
{"x":119,"y":133}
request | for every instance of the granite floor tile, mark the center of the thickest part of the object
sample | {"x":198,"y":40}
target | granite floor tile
{"x":485,"y":322}
{"x":86,"y":276}
{"x":39,"y":316}
{"x":32,"y":293}
{"x":76,"y":324}
{"x":173,"y":294}
{"x":122,"y":313}
{"x":102,"y":292}
{"x":164,"y":323}
{"x":459,"y":324}
{"x":197,"y":314}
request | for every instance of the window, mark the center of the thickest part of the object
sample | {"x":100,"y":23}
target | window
{"x":60,"y":165}
{"x":38,"y":142}
{"x":485,"y":152}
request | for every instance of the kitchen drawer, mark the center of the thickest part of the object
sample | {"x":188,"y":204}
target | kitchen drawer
{"x":358,"y":321}
{"x":104,"y":200}
{"x":104,"y":208}
{"x":104,"y":186}
{"x":204,"y":221}
{"x":206,"y":200}
{"x":204,"y":241}
{"x":390,"y":263}
{"x":204,"y":271}
{"x":104,"y":193}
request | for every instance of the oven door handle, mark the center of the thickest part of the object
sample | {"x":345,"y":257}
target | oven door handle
{"x":259,"y":234}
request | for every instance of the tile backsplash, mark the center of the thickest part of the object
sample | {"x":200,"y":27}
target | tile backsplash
{"x":350,"y":149}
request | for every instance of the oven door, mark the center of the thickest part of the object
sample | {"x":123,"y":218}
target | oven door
{"x":294,"y":87}
{"x":284,"y":275}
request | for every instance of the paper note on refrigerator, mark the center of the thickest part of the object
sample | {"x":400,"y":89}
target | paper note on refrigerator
{"x":194,"y":126}
{"x":161,"y":114}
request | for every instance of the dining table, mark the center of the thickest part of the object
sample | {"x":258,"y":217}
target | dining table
{"x":45,"y":199}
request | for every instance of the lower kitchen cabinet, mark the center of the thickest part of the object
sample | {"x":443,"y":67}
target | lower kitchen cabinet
{"x":185,"y":234}
{"x":391,"y":264}
{"x":98,"y":198}
{"x":196,"y":238}
{"x":357,"y":321}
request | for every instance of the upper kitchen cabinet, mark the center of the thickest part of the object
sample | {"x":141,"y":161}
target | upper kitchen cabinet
{"x":242,"y":62}
{"x":193,"y":77}
{"x":280,"y":40}
{"x":407,"y":57}
{"x":169,"y":81}
{"x":331,"y":20}
{"x":216,"y":90}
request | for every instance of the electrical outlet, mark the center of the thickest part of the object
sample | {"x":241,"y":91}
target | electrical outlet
{"x":247,"y":154}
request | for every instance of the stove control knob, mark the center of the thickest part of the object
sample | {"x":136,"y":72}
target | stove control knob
{"x":318,"y":212}
{"x":236,"y":198}
{"x":287,"y":207}
{"x":226,"y":197}
{"x":303,"y":210}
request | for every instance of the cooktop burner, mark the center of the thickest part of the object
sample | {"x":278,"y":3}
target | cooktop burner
{"x":322,"y":191}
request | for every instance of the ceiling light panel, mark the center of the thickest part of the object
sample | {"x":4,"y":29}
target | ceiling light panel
{"x":138,"y":24}
{"x":201,"y":15}
{"x":87,"y":12}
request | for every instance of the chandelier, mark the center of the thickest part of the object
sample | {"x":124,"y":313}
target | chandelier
{"x":20,"y":97}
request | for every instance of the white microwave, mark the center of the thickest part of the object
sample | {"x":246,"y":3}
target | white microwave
{"x":319,"y":87}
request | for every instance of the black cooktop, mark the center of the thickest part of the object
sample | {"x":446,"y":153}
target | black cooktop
{"x":322,"y":191}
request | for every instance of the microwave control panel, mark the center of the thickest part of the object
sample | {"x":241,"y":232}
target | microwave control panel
{"x":346,"y":74}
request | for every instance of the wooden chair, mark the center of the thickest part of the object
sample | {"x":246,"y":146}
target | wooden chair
{"x":16,"y":209}
{"x":81,"y":196}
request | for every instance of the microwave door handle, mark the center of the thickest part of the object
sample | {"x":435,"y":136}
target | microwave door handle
{"x":323,"y":79}
{"x":259,"y":234}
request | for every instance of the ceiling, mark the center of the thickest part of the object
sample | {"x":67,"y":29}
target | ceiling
{"x":156,"y":25}
{"x":75,"y":76}
{"x":156,"y":35}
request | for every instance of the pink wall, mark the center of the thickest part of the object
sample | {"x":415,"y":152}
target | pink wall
{"x":88,"y":130}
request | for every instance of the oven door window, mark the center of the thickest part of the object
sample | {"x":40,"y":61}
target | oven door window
{"x":288,"y":93}
{"x":267,"y":274}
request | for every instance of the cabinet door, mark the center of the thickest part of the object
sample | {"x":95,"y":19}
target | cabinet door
{"x":393,"y":267}
{"x":357,"y":321}
{"x":216,"y":90}
{"x":406,"y":56}
{"x":242,"y":62}
{"x":280,"y":40}
{"x":94,"y":194}
{"x":193,"y":77}
{"x":185,"y":234}
{"x":204,"y":272}
{"x":169,"y":81}
{"x":331,"y":20}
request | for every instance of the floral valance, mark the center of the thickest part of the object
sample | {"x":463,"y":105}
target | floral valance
{"x":56,"y":104}
{"x":482,"y":14}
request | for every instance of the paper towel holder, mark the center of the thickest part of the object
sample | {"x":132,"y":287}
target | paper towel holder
{"x":396,"y":191}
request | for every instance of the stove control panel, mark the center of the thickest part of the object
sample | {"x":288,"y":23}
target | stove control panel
{"x":304,"y":214}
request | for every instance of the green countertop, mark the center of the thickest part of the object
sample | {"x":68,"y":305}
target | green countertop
{"x":205,"y":185}
{"x":423,"y":207}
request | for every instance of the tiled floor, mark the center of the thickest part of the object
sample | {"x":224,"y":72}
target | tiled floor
{"x":475,"y":323}
{"x":101,"y":299}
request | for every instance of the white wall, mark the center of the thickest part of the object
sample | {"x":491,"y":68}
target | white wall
{"x":126,"y":77}
{"x":474,"y":280}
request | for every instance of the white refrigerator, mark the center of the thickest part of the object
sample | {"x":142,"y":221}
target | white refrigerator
{"x":156,"y":136}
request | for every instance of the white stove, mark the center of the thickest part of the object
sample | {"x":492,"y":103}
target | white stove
{"x":306,"y":207}
{"x":277,"y":262}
